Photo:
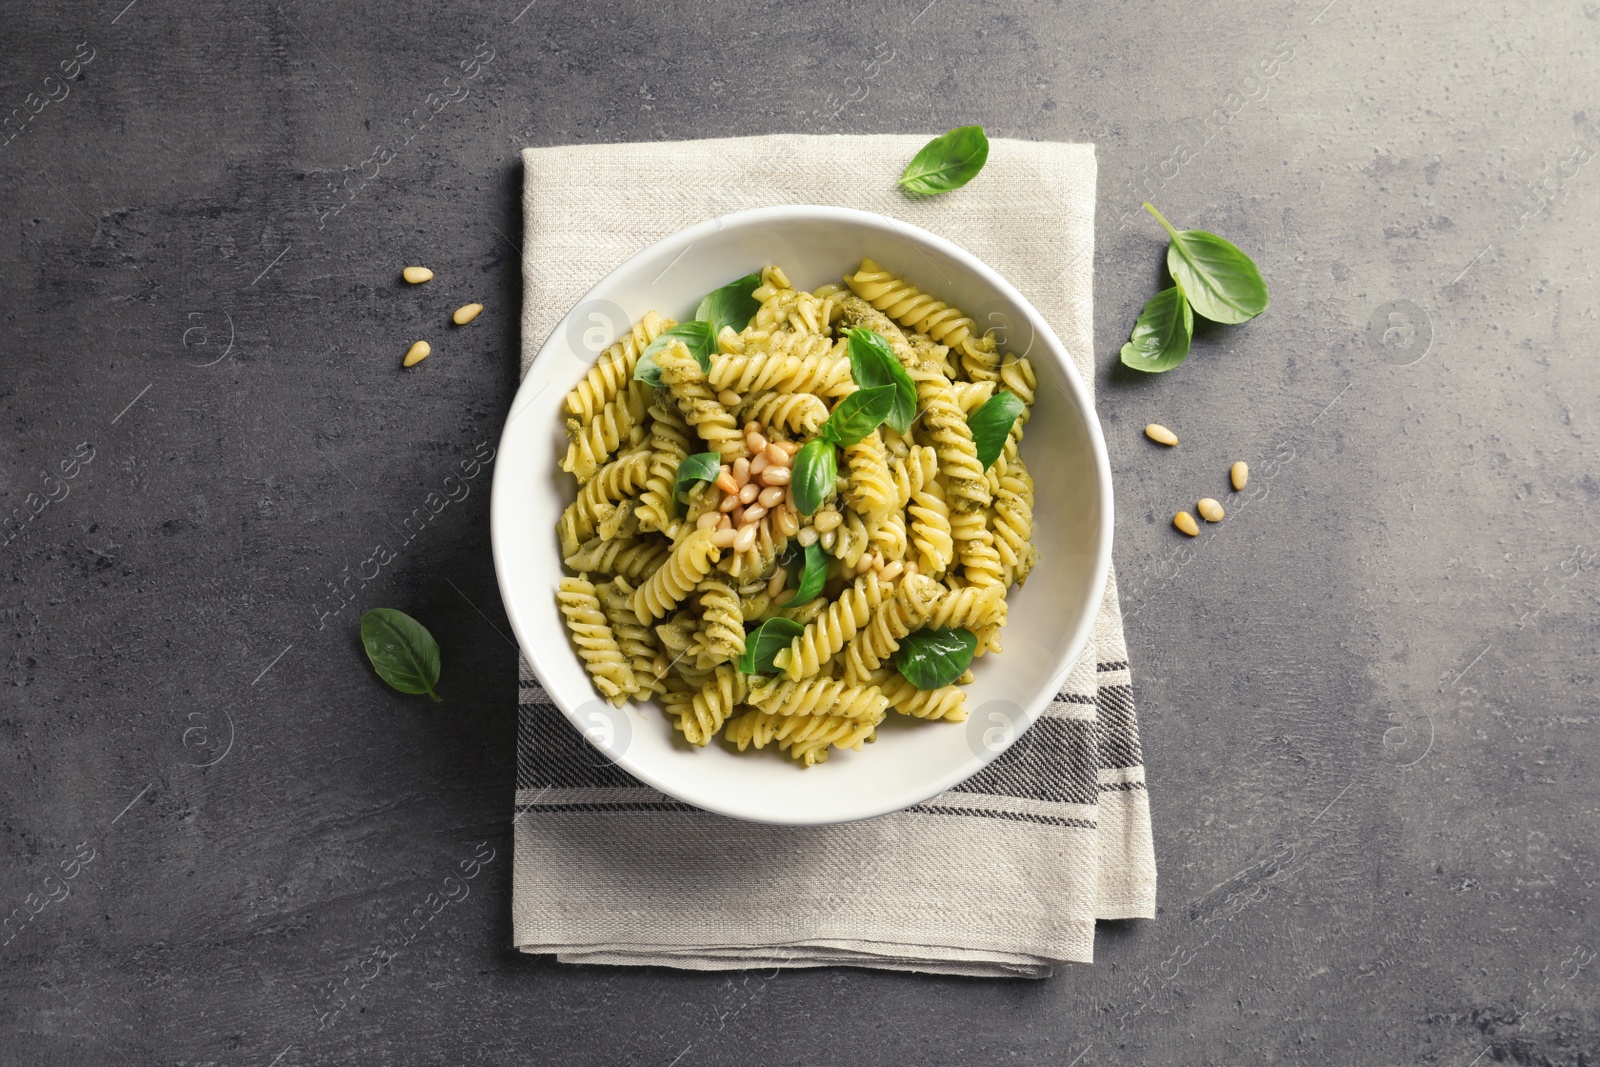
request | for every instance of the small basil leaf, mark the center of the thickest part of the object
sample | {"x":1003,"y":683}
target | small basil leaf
{"x":859,"y":414}
{"x":930,"y":659}
{"x":700,"y":467}
{"x":815,"y":470}
{"x":696,"y":336}
{"x":991,"y":424}
{"x":1220,"y":281}
{"x":947,"y":162}
{"x":766,"y":641}
{"x":402,"y":651}
{"x":808,"y":570}
{"x":873,"y":363}
{"x":732,"y":305}
{"x":1160,"y":339}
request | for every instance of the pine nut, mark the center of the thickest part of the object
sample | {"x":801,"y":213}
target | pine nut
{"x":729,"y":502}
{"x":1186,"y":524}
{"x":1239,"y":474}
{"x":777,"y":475}
{"x":758,"y":464}
{"x":1210,"y":510}
{"x":728,"y":398}
{"x":745,"y":540}
{"x":726,"y":483}
{"x":827,"y":520}
{"x":755,"y":442}
{"x":752,"y":427}
{"x":661,"y":665}
{"x":417,"y":353}
{"x":790,"y":447}
{"x":784,"y":597}
{"x":891,"y":570}
{"x":786,"y":521}
{"x":737,"y":514}
{"x":748,"y":493}
{"x":771,"y":496}
{"x":724,"y":538}
{"x":709,"y":521}
{"x":417,"y":275}
{"x":753,"y":513}
{"x":828,"y":537}
{"x":1160,"y":434}
{"x":724,"y":523}
{"x":466,"y":313}
{"x":741,"y":470}
{"x":875,"y":562}
{"x":776,"y":455}
{"x":775,"y":583}
{"x":808,"y":536}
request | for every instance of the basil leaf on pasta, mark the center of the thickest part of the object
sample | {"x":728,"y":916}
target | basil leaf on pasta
{"x":932,"y":659}
{"x":873,"y":363}
{"x":697,"y":337}
{"x":700,"y":467}
{"x":859,"y":414}
{"x":732,"y":305}
{"x":402,"y":651}
{"x":947,"y":162}
{"x":765,"y":642}
{"x":815,"y":471}
{"x":807,"y":567}
{"x":991,"y":424}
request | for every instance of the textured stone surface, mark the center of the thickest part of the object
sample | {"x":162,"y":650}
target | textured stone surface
{"x":1368,"y":696}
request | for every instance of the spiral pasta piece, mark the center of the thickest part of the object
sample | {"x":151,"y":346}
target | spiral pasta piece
{"x":721,"y":636}
{"x":785,"y":363}
{"x":818,"y":696}
{"x":1012,"y":523}
{"x":807,"y":738}
{"x":799,"y":413}
{"x":690,"y":561}
{"x":915,"y":599}
{"x":597,"y":645}
{"x":909,"y":306}
{"x":701,"y":713}
{"x":852,"y":539}
{"x":613,"y":371}
{"x":687,"y":384}
{"x":634,"y":558}
{"x":591,"y":442}
{"x":831,"y":630}
{"x":669,"y":444}
{"x":971,"y":396}
{"x":868,"y":487}
{"x":1016,"y":375}
{"x":980,"y":563}
{"x":615,"y":481}
{"x":944,"y":428}
{"x":636,"y":641}
{"x":970,"y":608}
{"x":948,"y":703}
{"x":886,"y":534}
{"x":930,"y":518}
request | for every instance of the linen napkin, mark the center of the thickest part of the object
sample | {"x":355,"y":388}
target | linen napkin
{"x":1003,"y":875}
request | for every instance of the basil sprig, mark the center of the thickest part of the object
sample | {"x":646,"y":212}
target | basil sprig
{"x":731,"y":305}
{"x":765,"y":642}
{"x":807,"y":569}
{"x":696,"y":336}
{"x":1211,"y":278}
{"x":1161,"y":335}
{"x":930,"y":659}
{"x":991,"y":425}
{"x":700,"y":467}
{"x":873,"y":363}
{"x":947,"y":162}
{"x":402,"y":651}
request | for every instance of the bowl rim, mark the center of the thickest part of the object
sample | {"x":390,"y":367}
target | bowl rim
{"x":502,"y":487}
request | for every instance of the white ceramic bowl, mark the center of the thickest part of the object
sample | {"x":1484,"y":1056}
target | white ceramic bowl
{"x":1050,"y":620}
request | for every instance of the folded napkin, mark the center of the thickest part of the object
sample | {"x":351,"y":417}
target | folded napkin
{"x":1004,"y":875}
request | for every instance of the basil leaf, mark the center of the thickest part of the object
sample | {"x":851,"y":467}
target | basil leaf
{"x":1221,"y":282}
{"x":766,"y":641}
{"x":873,"y":363}
{"x":815,"y":470}
{"x":929,"y":659}
{"x":947,"y":162}
{"x":732,"y":305}
{"x":700,"y":467}
{"x":402,"y":651}
{"x":1161,"y":334}
{"x":991,"y":424}
{"x":697,"y":336}
{"x":807,"y":567}
{"x":859,"y":414}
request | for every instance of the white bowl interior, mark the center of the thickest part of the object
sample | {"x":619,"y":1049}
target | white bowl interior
{"x":1050,"y":619}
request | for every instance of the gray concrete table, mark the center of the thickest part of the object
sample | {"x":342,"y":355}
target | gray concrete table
{"x":1368,"y":696}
